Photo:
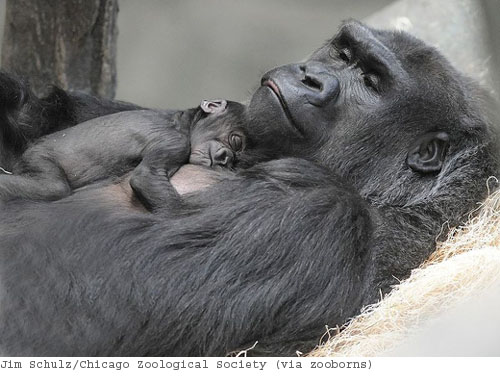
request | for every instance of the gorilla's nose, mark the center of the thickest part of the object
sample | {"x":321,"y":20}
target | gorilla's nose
{"x":321,"y":86}
{"x":222,"y":157}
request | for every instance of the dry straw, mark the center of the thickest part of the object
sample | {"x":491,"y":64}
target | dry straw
{"x":466,"y":264}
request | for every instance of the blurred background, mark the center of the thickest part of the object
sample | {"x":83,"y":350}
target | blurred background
{"x":172,"y":54}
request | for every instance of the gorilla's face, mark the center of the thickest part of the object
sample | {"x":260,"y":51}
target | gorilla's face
{"x":342,"y":83}
{"x":374,"y":105}
{"x":218,"y":138}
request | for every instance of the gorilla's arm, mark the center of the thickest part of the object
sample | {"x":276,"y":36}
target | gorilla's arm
{"x":85,"y":106}
{"x":295,"y":257}
{"x":272,"y":256}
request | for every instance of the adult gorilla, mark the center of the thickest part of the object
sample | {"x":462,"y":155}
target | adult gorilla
{"x":396,"y":147}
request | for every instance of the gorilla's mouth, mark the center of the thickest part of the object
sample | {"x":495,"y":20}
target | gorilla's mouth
{"x":276,"y":90}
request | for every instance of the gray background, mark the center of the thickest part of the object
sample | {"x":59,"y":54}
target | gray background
{"x":172,"y":54}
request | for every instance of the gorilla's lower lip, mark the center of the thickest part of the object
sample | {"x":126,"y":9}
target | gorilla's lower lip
{"x":276,"y":90}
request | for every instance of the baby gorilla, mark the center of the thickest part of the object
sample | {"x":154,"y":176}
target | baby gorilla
{"x":152,"y":142}
{"x":217,"y":140}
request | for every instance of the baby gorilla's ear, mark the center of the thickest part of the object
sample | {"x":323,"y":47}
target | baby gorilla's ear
{"x":214,"y":106}
{"x":428,"y":152}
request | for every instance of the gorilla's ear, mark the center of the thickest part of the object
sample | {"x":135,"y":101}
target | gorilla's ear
{"x":214,"y":106}
{"x":427,"y":154}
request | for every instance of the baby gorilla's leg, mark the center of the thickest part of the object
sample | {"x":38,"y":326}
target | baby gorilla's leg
{"x":47,"y":185}
{"x":38,"y":175}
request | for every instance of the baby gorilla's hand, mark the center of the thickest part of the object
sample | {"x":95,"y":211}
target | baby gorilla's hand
{"x":150,"y":184}
{"x":146,"y":174}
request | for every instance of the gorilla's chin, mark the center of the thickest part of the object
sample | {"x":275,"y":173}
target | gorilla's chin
{"x":266,"y":108}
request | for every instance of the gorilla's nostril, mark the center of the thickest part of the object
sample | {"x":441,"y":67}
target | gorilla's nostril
{"x":312,"y":83}
{"x":222,"y":157}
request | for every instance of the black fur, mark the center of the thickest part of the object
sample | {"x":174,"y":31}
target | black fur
{"x":277,"y":251}
{"x":25,"y":117}
{"x":110,"y":146}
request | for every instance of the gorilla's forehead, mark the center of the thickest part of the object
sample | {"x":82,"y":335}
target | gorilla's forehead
{"x":405,"y":56}
{"x":419,"y":72}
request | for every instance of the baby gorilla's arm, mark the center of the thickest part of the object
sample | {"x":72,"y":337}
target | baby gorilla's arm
{"x":153,"y":189}
{"x":158,"y":193}
{"x":150,"y":181}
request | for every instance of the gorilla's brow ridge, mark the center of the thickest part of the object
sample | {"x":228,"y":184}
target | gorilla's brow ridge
{"x":367,"y":48}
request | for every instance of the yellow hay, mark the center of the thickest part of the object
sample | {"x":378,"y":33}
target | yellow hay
{"x":467,"y":263}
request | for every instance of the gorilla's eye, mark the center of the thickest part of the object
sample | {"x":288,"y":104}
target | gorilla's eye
{"x":371,"y":81}
{"x":235,"y":142}
{"x":345,"y":54}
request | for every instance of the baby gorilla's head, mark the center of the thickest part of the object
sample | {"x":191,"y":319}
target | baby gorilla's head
{"x":218,"y":137}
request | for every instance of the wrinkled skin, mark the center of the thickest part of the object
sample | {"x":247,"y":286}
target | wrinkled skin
{"x":381,"y":92}
{"x":384,"y":143}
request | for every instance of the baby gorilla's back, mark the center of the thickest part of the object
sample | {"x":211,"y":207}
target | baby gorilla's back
{"x":97,"y":149}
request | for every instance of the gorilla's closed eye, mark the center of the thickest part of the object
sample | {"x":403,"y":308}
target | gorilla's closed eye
{"x":371,"y":81}
{"x":340,"y":51}
{"x":345,"y":54}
